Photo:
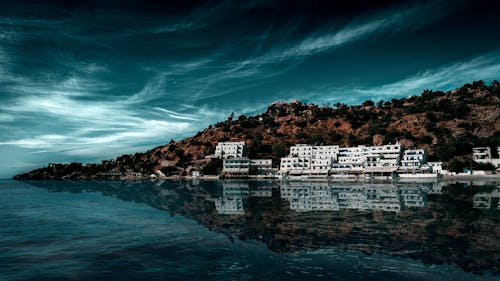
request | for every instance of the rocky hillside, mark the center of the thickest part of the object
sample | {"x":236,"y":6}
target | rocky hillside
{"x":448,"y":124}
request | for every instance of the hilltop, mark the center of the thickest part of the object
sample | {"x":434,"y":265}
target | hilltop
{"x":447,"y":124}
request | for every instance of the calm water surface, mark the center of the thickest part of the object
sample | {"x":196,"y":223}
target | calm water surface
{"x":113,"y":230}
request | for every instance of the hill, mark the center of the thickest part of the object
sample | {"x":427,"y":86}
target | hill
{"x":447,"y":124}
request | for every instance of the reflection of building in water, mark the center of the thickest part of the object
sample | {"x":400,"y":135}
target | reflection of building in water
{"x":261,"y":191}
{"x":384,"y":199}
{"x":413,"y":196}
{"x":229,"y":206}
{"x":351,"y":198}
{"x":231,"y":202}
{"x":436,"y":188}
{"x":487,"y":200}
{"x":322,"y":196}
{"x":303,"y":197}
{"x":233,"y":194}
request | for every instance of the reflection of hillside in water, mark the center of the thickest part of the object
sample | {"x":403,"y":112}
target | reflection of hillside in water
{"x":429,"y":222}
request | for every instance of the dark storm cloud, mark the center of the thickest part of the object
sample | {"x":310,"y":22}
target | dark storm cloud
{"x":86,"y":80}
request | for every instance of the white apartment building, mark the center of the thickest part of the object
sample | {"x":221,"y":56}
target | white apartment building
{"x":389,"y":155}
{"x":301,"y":150}
{"x":296,"y":165}
{"x":315,"y":159}
{"x":414,"y":158}
{"x":325,"y":151}
{"x":371,"y":156}
{"x":321,"y":166}
{"x":240,"y":167}
{"x":353,"y":156}
{"x":483,"y":155}
{"x":231,"y":150}
{"x":309,"y":159}
{"x":341,"y":169}
{"x":264,"y":165}
{"x":236,"y":166}
{"x":320,"y":151}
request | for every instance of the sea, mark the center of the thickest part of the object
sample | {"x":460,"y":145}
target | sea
{"x":249,"y":230}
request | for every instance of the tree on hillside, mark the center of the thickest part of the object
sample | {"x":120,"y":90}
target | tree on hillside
{"x":368,"y":103}
{"x":214,"y":167}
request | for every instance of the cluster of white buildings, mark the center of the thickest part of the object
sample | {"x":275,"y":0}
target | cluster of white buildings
{"x":236,"y":164}
{"x":333,"y":161}
{"x":483,"y":155}
{"x":374,"y":161}
{"x":307,"y":196}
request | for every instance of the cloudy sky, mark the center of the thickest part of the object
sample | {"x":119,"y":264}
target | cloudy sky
{"x":91,"y":80}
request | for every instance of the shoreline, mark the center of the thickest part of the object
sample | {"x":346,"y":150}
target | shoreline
{"x":443,"y":178}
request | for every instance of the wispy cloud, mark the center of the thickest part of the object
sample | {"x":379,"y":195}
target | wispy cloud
{"x":177,"y":115}
{"x":485,"y":67}
{"x":361,"y":28}
{"x":265,"y":64}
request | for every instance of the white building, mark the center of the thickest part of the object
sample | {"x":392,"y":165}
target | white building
{"x":236,"y":167}
{"x":483,"y":155}
{"x":296,"y":165}
{"x":315,"y":160}
{"x":240,"y":167}
{"x":389,"y":155}
{"x":309,"y":159}
{"x":371,"y":156}
{"x":414,"y":158}
{"x":352,"y":156}
{"x":301,"y":150}
{"x":231,"y":150}
{"x":264,"y":166}
{"x":435,"y":167}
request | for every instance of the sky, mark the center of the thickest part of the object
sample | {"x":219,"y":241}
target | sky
{"x":82,"y":81}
